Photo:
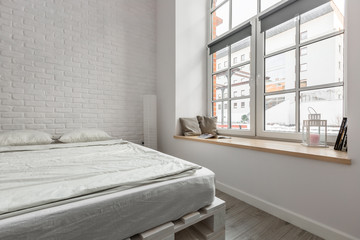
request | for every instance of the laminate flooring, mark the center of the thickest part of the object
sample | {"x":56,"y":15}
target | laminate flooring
{"x":245,"y":222}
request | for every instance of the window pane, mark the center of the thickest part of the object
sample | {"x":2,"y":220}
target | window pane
{"x":240,"y":78}
{"x":280,"y":72}
{"x":241,"y":51}
{"x":265,"y":4}
{"x":240,"y":114}
{"x":220,"y":86}
{"x":243,"y":10}
{"x":220,"y":20}
{"x":220,"y":113}
{"x":216,"y":3}
{"x":323,"y":62}
{"x":280,"y":113}
{"x":219,"y":59}
{"x":280,"y":37}
{"x":220,"y":110}
{"x":328,"y":102}
{"x":321,"y":21}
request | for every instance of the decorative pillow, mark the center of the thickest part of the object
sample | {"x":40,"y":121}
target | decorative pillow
{"x":84,"y":135}
{"x":207,"y":124}
{"x":24,"y":137}
{"x":190,"y":126}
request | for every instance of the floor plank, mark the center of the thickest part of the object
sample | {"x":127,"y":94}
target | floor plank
{"x":245,"y":222}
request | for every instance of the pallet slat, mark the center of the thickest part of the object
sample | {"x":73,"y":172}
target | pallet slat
{"x":209,"y":222}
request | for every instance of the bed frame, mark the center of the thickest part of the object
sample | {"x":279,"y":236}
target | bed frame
{"x":207,"y":223}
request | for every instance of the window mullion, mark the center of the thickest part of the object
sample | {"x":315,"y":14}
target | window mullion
{"x":230,"y":14}
{"x":229,"y":88}
{"x":297,"y":73}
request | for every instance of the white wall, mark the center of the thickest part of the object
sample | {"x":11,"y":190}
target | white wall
{"x":70,"y":64}
{"x":321,"y":197}
{"x":191,"y":32}
{"x":165,"y":87}
{"x":181,"y":79}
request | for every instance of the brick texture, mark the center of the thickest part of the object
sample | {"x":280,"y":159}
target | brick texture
{"x":67,"y":64}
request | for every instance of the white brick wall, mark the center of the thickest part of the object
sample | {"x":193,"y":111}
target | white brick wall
{"x":67,"y":64}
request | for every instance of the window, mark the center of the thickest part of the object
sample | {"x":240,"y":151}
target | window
{"x":303,"y":67}
{"x":243,"y":57}
{"x":303,"y":51}
{"x":235,"y":78}
{"x":303,"y":83}
{"x":235,"y":60}
{"x":303,"y":35}
{"x":298,"y":63}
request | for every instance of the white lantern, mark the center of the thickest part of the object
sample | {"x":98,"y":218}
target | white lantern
{"x":314,"y":131}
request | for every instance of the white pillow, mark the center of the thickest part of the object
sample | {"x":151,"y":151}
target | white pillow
{"x":24,"y":137}
{"x":84,"y":135}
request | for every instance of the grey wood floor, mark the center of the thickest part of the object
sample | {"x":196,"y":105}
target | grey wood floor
{"x":245,"y":222}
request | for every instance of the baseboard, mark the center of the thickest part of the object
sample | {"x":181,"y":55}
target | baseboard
{"x":303,"y":222}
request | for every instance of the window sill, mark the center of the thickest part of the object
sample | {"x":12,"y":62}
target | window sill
{"x":279,"y":147}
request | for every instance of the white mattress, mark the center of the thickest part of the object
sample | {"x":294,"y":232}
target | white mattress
{"x":114,"y":213}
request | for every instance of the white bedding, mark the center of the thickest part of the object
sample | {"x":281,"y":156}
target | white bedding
{"x":113,"y":214}
{"x":35,"y":175}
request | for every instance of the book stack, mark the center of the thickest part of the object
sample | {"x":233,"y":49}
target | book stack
{"x":341,"y":140}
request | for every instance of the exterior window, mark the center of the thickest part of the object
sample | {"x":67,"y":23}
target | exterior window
{"x":303,"y":51}
{"x":232,"y":79}
{"x":303,"y":67}
{"x":243,"y":57}
{"x":235,"y":60}
{"x":235,"y":105}
{"x":303,"y":83}
{"x":299,"y":63}
{"x":315,"y":58}
{"x":303,"y":35}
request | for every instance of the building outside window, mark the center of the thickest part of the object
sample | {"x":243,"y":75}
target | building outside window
{"x":297,"y":64}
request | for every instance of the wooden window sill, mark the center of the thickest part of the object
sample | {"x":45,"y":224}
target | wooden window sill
{"x":279,"y":147}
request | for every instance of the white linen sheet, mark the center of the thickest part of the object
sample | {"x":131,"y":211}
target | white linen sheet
{"x":31,"y":176}
{"x":113,"y":214}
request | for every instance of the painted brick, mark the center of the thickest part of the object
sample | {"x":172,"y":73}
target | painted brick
{"x":71,"y":64}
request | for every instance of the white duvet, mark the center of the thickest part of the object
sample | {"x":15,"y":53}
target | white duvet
{"x":31,"y":176}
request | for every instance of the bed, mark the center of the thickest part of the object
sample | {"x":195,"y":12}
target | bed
{"x":101,"y":190}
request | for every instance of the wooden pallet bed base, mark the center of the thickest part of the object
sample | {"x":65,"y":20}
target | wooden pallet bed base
{"x":208,"y":223}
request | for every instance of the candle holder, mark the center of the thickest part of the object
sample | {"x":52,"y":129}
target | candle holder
{"x":314,"y":130}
